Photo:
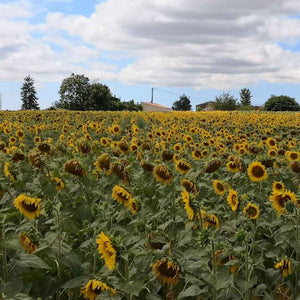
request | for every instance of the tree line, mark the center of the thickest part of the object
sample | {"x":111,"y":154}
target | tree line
{"x":228,"y":102}
{"x":78,"y":93}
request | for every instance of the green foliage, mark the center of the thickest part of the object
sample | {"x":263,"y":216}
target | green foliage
{"x":225,"y":102}
{"x":74,"y":93}
{"x":77,"y":93}
{"x":183,"y":104}
{"x":281,"y":103}
{"x":28,"y":95}
{"x":245,"y":95}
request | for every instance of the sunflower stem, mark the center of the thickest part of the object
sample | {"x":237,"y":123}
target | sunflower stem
{"x":59,"y":249}
{"x":214,"y":267}
{"x":4,"y":258}
{"x":297,"y":255}
{"x":126,"y":265}
{"x":247,"y":270}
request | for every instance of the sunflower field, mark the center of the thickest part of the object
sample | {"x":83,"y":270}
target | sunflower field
{"x":149,"y":206}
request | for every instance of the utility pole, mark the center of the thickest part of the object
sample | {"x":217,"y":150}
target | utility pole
{"x":152,"y":95}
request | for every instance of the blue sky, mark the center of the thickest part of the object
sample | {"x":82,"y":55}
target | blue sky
{"x":178,"y":47}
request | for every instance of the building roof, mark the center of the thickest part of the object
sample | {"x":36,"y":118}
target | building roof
{"x":156,"y":105}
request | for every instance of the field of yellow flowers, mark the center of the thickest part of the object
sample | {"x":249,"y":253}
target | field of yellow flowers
{"x":149,"y":206}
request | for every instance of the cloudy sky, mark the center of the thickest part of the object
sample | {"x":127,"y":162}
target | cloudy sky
{"x":198,"y":47}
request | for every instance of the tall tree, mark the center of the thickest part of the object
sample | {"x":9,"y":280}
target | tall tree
{"x":245,"y":95}
{"x":74,"y":93}
{"x":225,"y":102}
{"x":28,"y":94}
{"x":184,"y":103}
{"x":100,"y":97}
{"x":281,"y":103}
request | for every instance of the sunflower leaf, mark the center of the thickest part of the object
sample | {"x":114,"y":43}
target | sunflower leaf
{"x":32,"y":261}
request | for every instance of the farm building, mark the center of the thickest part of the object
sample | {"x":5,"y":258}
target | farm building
{"x":148,"y":106}
{"x":206,"y":106}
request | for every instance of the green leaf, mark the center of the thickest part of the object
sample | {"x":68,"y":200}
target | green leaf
{"x":32,"y":261}
{"x":192,"y":291}
{"x":132,"y":287}
{"x":76,"y":282}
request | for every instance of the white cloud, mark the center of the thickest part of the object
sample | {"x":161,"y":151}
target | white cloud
{"x":199,"y":43}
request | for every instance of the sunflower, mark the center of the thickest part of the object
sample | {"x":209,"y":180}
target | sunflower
{"x":123,"y":147}
{"x":12,"y":140}
{"x":27,"y":244}
{"x":104,"y":141}
{"x":232,"y":167}
{"x":20,"y":133}
{"x":182,"y":166}
{"x":120,"y":171}
{"x":219,"y":187}
{"x":115,"y":129}
{"x":271,"y":142}
{"x":167,"y":155}
{"x":285,"y":266}
{"x":257,"y":172}
{"x":103,"y":162}
{"x":295,"y":166}
{"x":7,"y":172}
{"x":233,"y":200}
{"x":190,"y":186}
{"x":167,"y":271}
{"x":94,"y":288}
{"x":73,"y":167}
{"x":59,"y":184}
{"x":279,"y":200}
{"x":107,"y":251}
{"x":213,"y":166}
{"x":157,"y":241}
{"x":186,"y":199}
{"x":163,"y":175}
{"x":146,"y":166}
{"x":292,"y":156}
{"x":37,"y":139}
{"x":44,"y":147}
{"x":121,"y":195}
{"x":272,"y":152}
{"x":177,"y":147}
{"x":211,"y":220}
{"x":251,"y":211}
{"x":29,"y":207}
{"x":196,"y":154}
{"x":278,"y":186}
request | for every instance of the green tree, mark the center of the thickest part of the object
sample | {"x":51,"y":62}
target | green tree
{"x":225,"y":102}
{"x":28,"y":94}
{"x":100,"y":97}
{"x":245,"y":95}
{"x":74,"y":93}
{"x":281,"y":103}
{"x":184,"y":103}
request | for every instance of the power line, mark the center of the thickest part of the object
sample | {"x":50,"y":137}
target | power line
{"x":174,"y":93}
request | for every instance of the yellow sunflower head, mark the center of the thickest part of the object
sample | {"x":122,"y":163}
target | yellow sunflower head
{"x":94,"y":288}
{"x":278,"y":186}
{"x":73,"y":167}
{"x":189,"y":210}
{"x":257,"y":172}
{"x":285,"y":266}
{"x":233,"y":200}
{"x":190,"y":186}
{"x":167,"y":271}
{"x":27,"y":244}
{"x":219,"y":187}
{"x":280,"y":199}
{"x":211,"y":220}
{"x":29,"y":207}
{"x":182,"y":166}
{"x":251,"y":211}
{"x":102,"y":163}
{"x":107,"y":251}
{"x":163,"y":175}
